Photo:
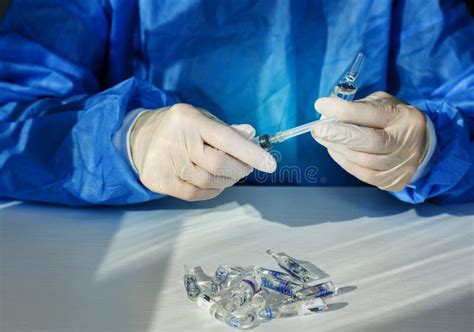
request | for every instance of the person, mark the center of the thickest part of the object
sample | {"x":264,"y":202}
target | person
{"x":117,"y":101}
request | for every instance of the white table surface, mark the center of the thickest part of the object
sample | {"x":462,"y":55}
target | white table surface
{"x":407,"y":268}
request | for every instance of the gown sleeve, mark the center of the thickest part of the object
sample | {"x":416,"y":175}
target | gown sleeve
{"x":432,"y":68}
{"x":58,"y":115}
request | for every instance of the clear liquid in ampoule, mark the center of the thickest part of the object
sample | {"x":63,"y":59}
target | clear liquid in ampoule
{"x":345,"y":90}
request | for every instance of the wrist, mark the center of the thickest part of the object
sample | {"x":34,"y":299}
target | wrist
{"x":138,"y":126}
{"x":139,"y":133}
{"x":430,"y":146}
{"x":121,"y":138}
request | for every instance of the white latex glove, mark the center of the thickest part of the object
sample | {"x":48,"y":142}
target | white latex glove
{"x":186,"y":153}
{"x":378,"y":139}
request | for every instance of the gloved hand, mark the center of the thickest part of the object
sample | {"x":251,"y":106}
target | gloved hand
{"x":186,"y":153}
{"x":378,"y":139}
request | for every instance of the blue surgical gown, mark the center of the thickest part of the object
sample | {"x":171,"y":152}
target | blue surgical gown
{"x":71,"y":70}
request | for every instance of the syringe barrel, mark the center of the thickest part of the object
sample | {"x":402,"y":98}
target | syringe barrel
{"x":296,"y":131}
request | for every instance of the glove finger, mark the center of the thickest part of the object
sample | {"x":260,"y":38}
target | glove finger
{"x":378,"y":162}
{"x":210,"y":115}
{"x":381,"y":97}
{"x":219,"y":163}
{"x":358,"y":138}
{"x":176,"y":186}
{"x":189,"y":192}
{"x":245,"y":130}
{"x":390,"y":180}
{"x":398,"y":177}
{"x":226,"y":139}
{"x":187,"y":171}
{"x":367,"y":175}
{"x":171,"y":185}
{"x":200,"y":178}
{"x":363,"y":113}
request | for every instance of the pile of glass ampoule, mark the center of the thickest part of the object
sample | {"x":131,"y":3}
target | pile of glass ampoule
{"x":246,"y":297}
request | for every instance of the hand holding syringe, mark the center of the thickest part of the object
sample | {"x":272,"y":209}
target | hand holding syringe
{"x":344,"y":89}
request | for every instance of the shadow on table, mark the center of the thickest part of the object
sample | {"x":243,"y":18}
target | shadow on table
{"x":65,"y":269}
{"x":83,"y":241}
{"x":455,"y":315}
{"x":335,"y":303}
{"x":429,"y":210}
{"x":302,"y":208}
{"x":337,"y":306}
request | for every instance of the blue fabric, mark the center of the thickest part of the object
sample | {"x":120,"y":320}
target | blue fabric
{"x":71,"y":70}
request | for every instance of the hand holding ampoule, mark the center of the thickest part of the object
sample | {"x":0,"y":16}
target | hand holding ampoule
{"x":379,"y":139}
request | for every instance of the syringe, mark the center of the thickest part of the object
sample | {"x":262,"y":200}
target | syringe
{"x":344,"y":89}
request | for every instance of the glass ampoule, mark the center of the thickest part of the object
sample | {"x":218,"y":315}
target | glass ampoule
{"x":219,"y":279}
{"x":301,"y":308}
{"x":277,"y":275}
{"x":326,"y":289}
{"x":290,"y":265}
{"x":280,"y":286}
{"x":244,"y":291}
{"x":190,"y":284}
{"x":242,"y":319}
